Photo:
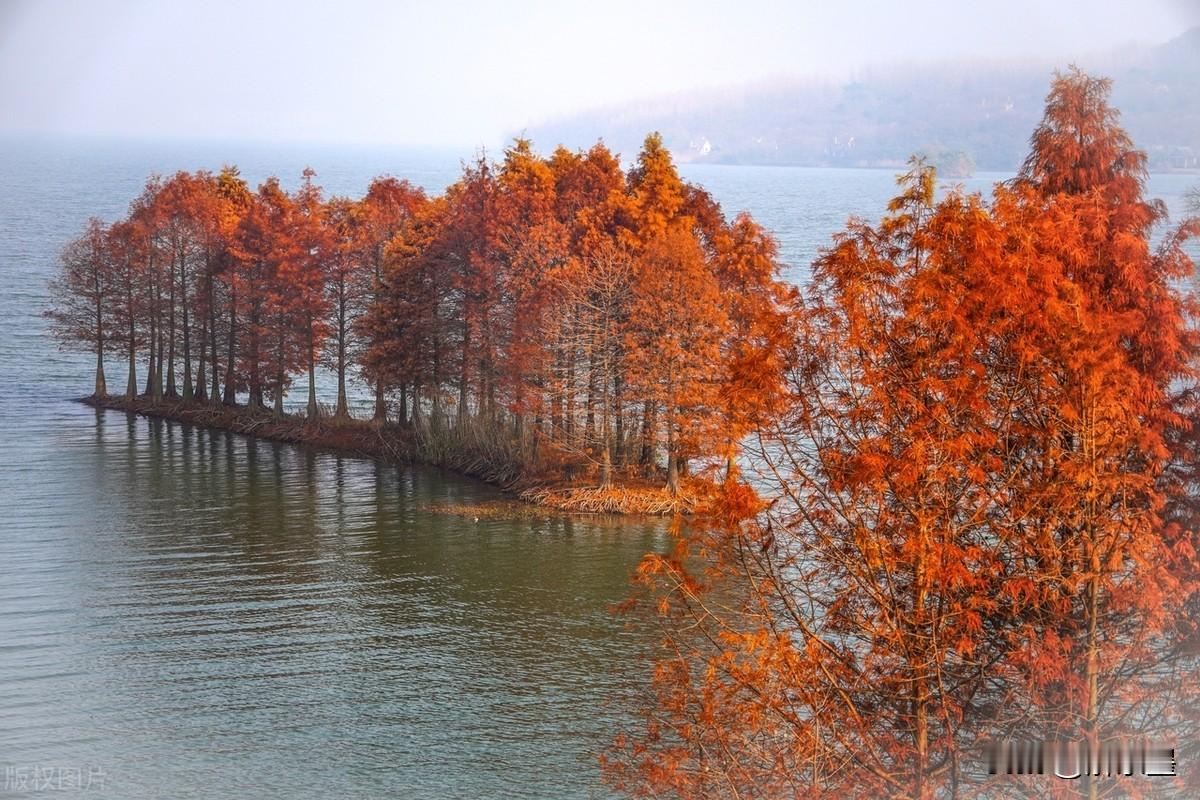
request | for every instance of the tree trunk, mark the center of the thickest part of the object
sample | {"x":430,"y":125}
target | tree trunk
{"x":170,"y":390}
{"x":672,"y":460}
{"x":279,"y":376}
{"x":589,"y":420}
{"x":256,"y":389}
{"x":313,"y":410}
{"x":486,"y":399}
{"x":556,"y":401}
{"x":606,"y":468}
{"x":541,"y":394}
{"x":1091,"y":716}
{"x":159,"y":349}
{"x":188,"y":389}
{"x":920,"y":660}
{"x":215,"y":394}
{"x":619,"y":418}
{"x":131,"y":380}
{"x":201,"y":373}
{"x":491,"y":399}
{"x":149,"y":339}
{"x":379,"y":418}
{"x":278,"y":406}
{"x":1091,"y":721}
{"x":646,"y":459}
{"x":101,"y":384}
{"x":569,"y":411}
{"x":230,"y":396}
{"x":464,"y":374}
{"x":150,"y":361}
{"x":343,"y":407}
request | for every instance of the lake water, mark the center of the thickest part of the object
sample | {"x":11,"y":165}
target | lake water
{"x":189,"y":614}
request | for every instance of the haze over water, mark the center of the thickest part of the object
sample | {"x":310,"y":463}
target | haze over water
{"x":194,"y":614}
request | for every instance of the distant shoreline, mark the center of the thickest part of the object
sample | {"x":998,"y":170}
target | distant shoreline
{"x":890,"y":168}
{"x":396,"y":444}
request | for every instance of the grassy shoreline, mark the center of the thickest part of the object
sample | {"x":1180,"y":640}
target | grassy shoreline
{"x":402,"y":445}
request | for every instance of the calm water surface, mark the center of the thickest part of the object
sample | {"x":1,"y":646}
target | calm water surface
{"x":189,"y":614}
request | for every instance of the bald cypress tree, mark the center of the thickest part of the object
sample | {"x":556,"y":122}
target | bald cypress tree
{"x":81,"y":295}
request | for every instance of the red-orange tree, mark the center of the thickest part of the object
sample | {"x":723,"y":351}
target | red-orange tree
{"x":234,"y":201}
{"x":842,"y":655}
{"x":83,"y":296}
{"x":971,"y":522}
{"x":1114,"y":384}
{"x":343,"y":219}
{"x":404,"y":328}
{"x":676,"y":325}
{"x":386,"y":212}
{"x":752,"y":357}
{"x":304,"y":279}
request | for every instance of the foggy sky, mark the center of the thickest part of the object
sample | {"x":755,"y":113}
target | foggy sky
{"x":468,"y":73}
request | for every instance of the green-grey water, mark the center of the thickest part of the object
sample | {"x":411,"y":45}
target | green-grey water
{"x":191,"y":614}
{"x":201,"y":614}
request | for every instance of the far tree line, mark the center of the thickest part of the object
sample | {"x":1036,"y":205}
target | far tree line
{"x":616,"y":318}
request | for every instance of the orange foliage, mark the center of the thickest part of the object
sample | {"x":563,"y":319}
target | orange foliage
{"x":596,"y":323}
{"x":970,"y":508}
{"x":976,"y":501}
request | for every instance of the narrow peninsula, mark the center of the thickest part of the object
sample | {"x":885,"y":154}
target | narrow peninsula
{"x":586,"y":337}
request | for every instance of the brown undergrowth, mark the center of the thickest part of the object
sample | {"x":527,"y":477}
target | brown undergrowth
{"x":469,"y":451}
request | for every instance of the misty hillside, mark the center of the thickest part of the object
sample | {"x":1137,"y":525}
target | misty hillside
{"x":963,"y":115}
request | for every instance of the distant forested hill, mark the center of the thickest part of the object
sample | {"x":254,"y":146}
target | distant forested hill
{"x":963,"y":115}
